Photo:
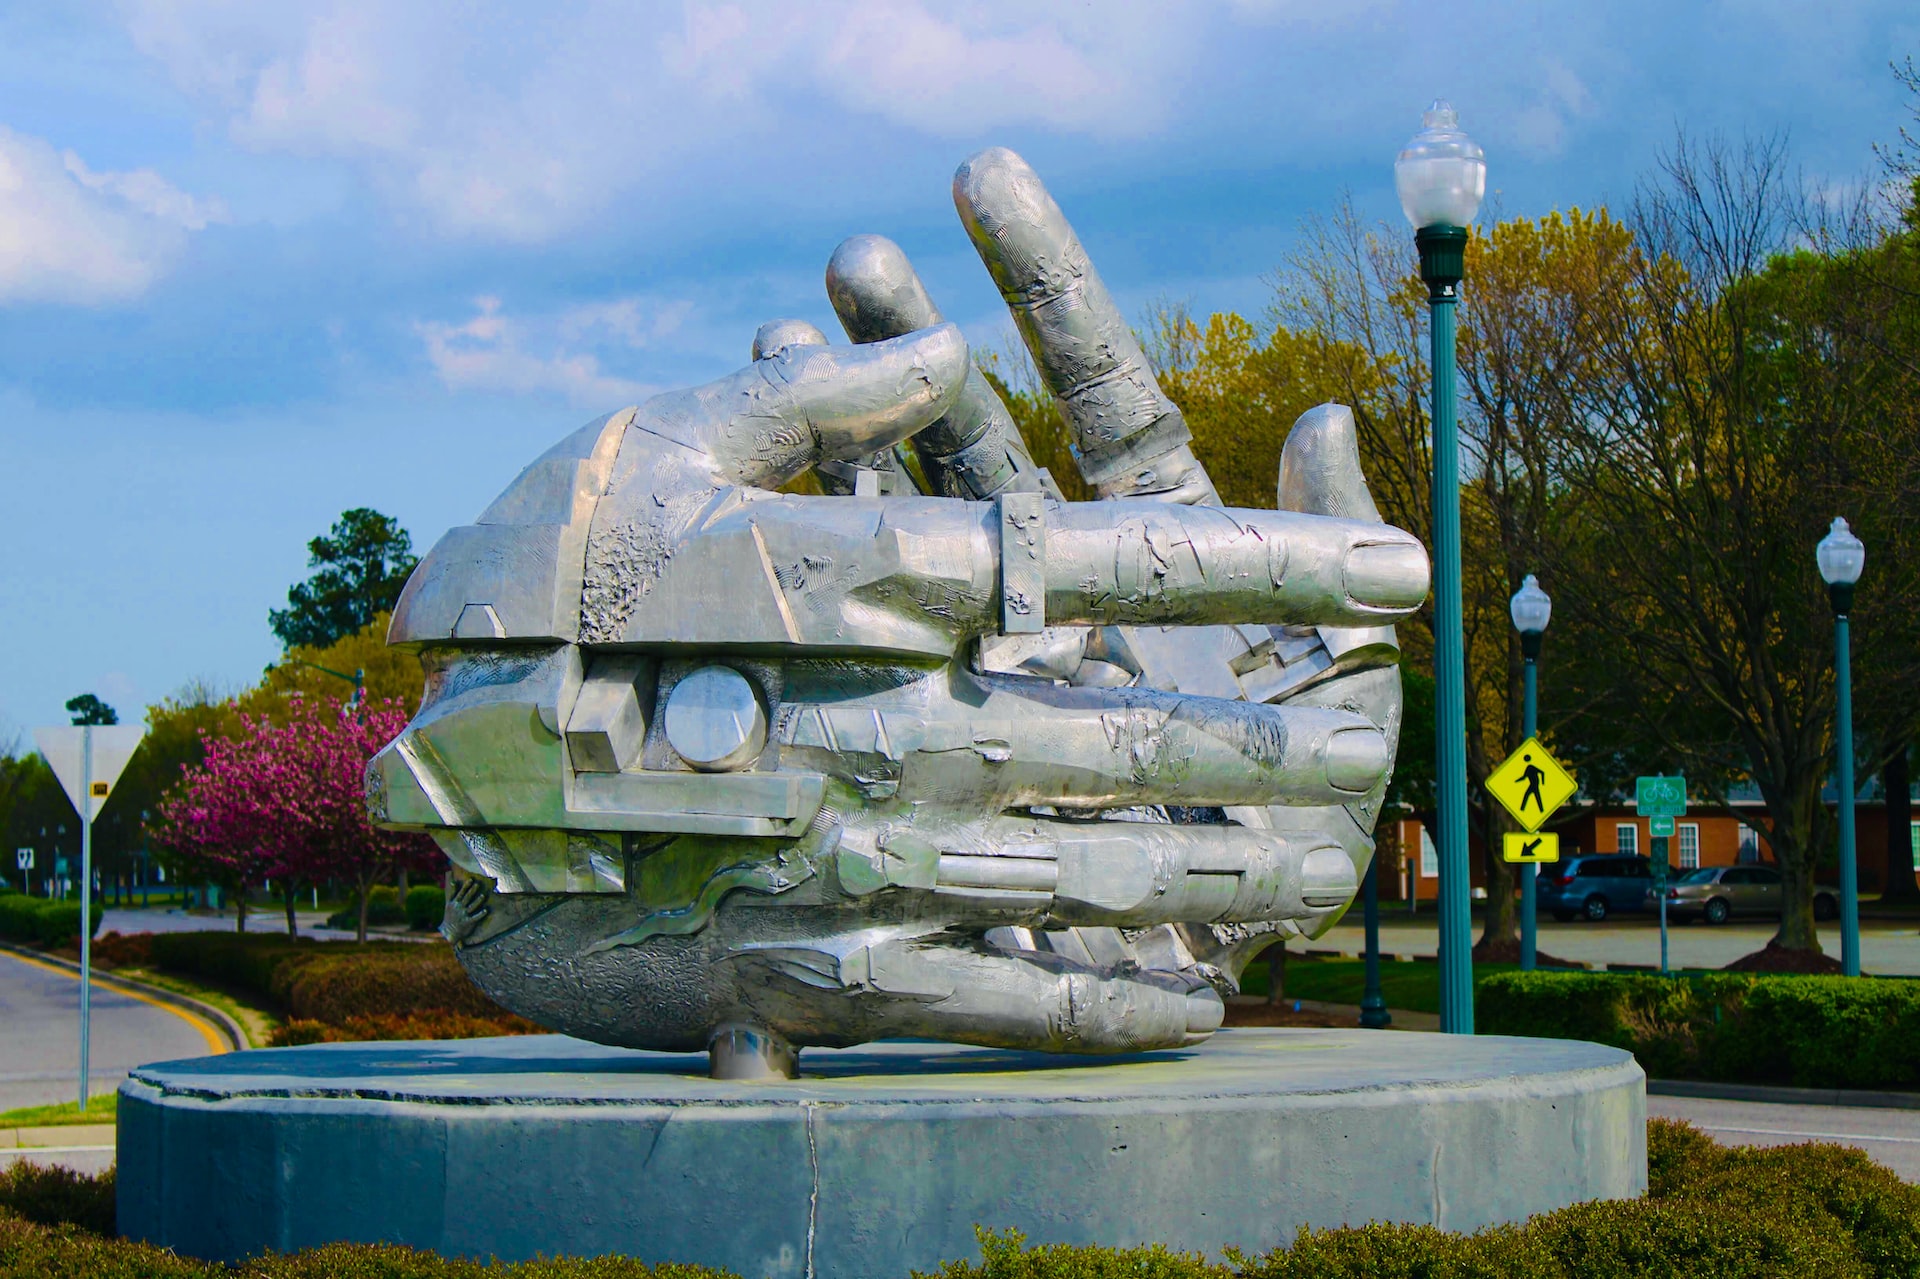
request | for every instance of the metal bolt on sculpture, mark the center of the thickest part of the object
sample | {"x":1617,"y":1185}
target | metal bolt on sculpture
{"x":728,"y":769}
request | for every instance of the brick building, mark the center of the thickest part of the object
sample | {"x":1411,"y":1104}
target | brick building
{"x":1705,"y":837}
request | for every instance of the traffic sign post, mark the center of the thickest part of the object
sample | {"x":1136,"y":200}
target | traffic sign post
{"x":87,"y":759}
{"x":23,"y":862}
{"x":1529,"y":848}
{"x":1660,"y":799}
{"x":1530,"y":784}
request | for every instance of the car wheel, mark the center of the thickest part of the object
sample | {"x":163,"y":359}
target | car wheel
{"x":1825,"y":907}
{"x":1717,"y":910}
{"x":1564,"y":916}
{"x":1595,"y":908}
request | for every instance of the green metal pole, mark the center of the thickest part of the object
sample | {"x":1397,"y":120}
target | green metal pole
{"x":1442,"y":263}
{"x":1373,"y":1002}
{"x":1529,"y":725}
{"x":86,"y":906}
{"x":1660,"y":888}
{"x":1849,"y":872}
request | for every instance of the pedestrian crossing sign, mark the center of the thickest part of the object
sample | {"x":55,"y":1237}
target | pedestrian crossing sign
{"x":1524,"y":846}
{"x":1531,"y":784}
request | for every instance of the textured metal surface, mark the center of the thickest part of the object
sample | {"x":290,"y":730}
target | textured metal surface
{"x":973,"y":764}
{"x":878,"y":1160}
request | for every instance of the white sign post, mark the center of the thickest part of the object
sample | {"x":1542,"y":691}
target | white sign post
{"x":88,"y":760}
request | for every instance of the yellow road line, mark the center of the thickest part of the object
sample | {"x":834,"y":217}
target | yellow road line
{"x":216,"y":1042}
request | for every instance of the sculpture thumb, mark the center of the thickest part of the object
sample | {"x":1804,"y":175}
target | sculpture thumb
{"x":1320,"y":466}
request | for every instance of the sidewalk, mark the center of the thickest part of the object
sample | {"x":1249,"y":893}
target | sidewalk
{"x":85,"y":1148}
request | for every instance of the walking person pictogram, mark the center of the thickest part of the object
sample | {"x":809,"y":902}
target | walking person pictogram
{"x":1534,"y":775}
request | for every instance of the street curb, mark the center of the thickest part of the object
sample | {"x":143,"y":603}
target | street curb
{"x":229,"y":1029}
{"x":1708,"y":1091}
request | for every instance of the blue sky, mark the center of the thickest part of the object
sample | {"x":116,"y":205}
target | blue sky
{"x":260,"y":263}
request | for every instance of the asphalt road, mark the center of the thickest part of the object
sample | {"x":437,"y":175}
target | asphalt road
{"x":1892,"y":1137}
{"x":40,"y":1046}
{"x":1891,"y":947}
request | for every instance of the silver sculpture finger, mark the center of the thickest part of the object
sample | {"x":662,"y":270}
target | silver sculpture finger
{"x":725,"y":768}
{"x":1133,"y":440}
{"x":974,"y":450}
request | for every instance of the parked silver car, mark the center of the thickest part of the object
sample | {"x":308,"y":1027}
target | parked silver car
{"x":1718,"y":893}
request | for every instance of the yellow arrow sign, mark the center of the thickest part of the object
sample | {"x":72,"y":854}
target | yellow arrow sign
{"x":1531,"y":784}
{"x":1529,"y":847}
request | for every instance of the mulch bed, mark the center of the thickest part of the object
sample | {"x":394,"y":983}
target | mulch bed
{"x":1775,"y":958}
{"x":1507,"y":951}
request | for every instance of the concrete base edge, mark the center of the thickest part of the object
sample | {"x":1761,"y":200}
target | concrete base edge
{"x":878,"y":1160}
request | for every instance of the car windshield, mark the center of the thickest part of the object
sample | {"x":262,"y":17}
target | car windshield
{"x":1702,"y":876}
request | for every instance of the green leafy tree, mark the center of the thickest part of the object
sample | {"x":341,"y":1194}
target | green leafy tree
{"x":361,"y":564}
{"x":88,"y":709}
{"x":1745,"y":403}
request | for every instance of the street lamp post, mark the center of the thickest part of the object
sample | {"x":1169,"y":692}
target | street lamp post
{"x":358,"y":679}
{"x":1841,"y":556}
{"x":1531,"y":609}
{"x":1441,"y":176}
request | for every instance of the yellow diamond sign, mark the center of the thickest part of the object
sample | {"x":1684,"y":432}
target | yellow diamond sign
{"x":1531,"y":784}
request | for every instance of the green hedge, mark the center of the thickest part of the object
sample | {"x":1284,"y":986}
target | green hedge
{"x":1795,"y":1211}
{"x":426,"y":905}
{"x":36,"y":921}
{"x":329,"y":982}
{"x":1834,"y":1032}
{"x":383,"y":907}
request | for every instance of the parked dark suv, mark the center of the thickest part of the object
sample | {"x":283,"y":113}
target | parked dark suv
{"x":1595,"y":885}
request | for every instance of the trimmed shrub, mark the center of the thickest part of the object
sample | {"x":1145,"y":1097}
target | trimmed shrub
{"x":35,"y":921}
{"x":383,"y":907}
{"x":429,"y":1025}
{"x":123,"y":950}
{"x":1834,"y":1032}
{"x":426,"y":905}
{"x":415,"y":989}
{"x":401,"y":980}
{"x":55,"y":1196}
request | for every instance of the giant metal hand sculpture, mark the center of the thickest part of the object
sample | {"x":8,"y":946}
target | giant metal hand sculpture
{"x":724,"y":768}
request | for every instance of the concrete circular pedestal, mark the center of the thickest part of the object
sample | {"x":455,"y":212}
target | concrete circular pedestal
{"x":878,"y":1159}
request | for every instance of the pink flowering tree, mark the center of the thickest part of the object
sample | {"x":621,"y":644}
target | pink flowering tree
{"x":283,"y":801}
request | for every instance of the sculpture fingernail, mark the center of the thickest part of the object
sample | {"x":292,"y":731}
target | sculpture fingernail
{"x":1355,"y":758}
{"x":1387,"y":574}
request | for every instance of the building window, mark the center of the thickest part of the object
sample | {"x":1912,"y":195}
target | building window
{"x":1689,"y":833}
{"x":1626,"y":838}
{"x":1429,"y":856}
{"x":1749,"y":845}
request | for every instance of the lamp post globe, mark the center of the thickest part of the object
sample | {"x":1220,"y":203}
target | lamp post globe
{"x":1531,"y":609}
{"x":1841,"y":557}
{"x":1441,"y":176}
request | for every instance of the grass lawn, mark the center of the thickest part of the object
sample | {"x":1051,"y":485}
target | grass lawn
{"x":100,"y":1110}
{"x":1413,"y":986}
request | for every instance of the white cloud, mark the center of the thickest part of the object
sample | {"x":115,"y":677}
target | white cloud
{"x":69,"y":234}
{"x":518,"y":123}
{"x":1540,"y":127}
{"x":492,"y":351}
